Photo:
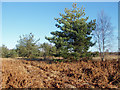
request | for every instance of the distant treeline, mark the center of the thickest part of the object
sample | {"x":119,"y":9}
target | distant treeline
{"x":113,"y":53}
{"x":30,"y":48}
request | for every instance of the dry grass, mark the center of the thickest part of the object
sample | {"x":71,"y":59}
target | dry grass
{"x":107,"y":57}
{"x":39,"y":74}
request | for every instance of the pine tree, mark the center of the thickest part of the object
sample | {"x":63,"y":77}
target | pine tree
{"x":74,"y":37}
{"x":47,"y":49}
{"x":27,"y":46}
{"x":4,"y":51}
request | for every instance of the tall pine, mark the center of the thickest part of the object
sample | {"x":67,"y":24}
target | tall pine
{"x":75,"y":34}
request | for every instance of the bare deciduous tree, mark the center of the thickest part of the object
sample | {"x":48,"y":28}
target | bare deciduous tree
{"x":103,"y":33}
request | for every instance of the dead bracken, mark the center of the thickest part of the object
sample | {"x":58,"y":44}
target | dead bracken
{"x":40,"y":74}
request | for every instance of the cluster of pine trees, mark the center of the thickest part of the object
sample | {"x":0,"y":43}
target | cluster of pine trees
{"x":28,"y":47}
{"x":72,"y":40}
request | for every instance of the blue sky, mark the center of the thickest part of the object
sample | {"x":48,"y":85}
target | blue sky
{"x":38,"y":17}
{"x":60,"y":0}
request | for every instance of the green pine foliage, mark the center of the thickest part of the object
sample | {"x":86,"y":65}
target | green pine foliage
{"x":47,"y":49}
{"x":12,"y":53}
{"x":27,"y":46}
{"x":6,"y":53}
{"x":75,"y":34}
